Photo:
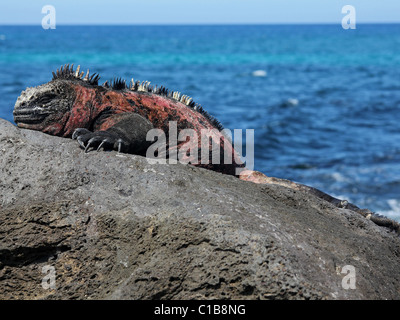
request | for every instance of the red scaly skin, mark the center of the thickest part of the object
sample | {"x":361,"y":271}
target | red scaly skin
{"x":159,"y":110}
{"x":83,"y":111}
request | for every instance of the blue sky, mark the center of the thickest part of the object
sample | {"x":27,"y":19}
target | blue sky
{"x":198,"y":11}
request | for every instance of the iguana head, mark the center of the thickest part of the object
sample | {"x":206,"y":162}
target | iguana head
{"x":47,"y":107}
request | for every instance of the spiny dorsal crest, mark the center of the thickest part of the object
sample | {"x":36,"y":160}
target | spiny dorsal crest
{"x":118,"y":84}
{"x":67,"y":72}
{"x":145,"y":86}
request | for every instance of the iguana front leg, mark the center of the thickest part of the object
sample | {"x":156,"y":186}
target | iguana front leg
{"x":124,"y":133}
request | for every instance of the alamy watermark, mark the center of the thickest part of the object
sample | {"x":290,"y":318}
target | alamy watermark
{"x":349,"y":280}
{"x":49,"y":280}
{"x":349,"y":20}
{"x":210,"y":146}
{"x":49,"y":20}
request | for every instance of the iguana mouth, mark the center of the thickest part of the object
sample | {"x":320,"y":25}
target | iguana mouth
{"x":32,"y":115}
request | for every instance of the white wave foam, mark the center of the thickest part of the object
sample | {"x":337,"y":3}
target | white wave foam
{"x":337,"y":176}
{"x":259,"y":73}
{"x":292,"y":102}
{"x":394,"y":211}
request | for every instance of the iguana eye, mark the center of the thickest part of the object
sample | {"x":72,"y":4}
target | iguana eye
{"x":46,"y":98}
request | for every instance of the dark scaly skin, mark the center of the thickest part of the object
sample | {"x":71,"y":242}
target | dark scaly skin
{"x":119,"y":118}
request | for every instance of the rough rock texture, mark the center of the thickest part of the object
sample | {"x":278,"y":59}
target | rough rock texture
{"x":114,"y":226}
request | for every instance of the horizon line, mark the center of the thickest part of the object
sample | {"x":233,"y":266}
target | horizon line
{"x":194,"y":24}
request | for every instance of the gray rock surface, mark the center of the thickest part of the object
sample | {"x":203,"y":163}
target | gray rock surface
{"x":113,"y":226}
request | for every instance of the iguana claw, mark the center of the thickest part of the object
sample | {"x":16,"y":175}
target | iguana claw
{"x":98,"y":140}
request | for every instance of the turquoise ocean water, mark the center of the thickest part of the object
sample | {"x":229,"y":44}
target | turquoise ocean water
{"x":324,"y":102}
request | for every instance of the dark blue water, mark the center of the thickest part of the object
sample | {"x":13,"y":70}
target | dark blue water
{"x":324,"y":102}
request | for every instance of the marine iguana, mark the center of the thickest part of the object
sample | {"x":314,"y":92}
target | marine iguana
{"x":118,"y":116}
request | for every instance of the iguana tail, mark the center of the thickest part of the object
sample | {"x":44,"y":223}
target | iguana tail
{"x":258,"y":177}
